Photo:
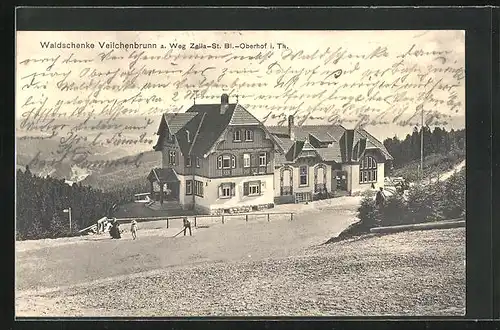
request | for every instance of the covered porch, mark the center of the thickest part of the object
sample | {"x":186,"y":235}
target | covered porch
{"x":164,"y":185}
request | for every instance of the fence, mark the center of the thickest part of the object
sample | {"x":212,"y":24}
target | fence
{"x":203,"y":220}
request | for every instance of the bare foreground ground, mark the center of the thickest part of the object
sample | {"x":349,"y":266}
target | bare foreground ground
{"x":254,"y":268}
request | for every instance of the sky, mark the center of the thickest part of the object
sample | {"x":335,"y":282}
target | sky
{"x":377,"y":79}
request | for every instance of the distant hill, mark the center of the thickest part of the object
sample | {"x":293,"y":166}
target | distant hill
{"x":124,"y":175}
{"x":31,"y":145}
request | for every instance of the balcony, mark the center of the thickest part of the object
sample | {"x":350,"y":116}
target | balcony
{"x":247,"y":171}
{"x":255,"y":170}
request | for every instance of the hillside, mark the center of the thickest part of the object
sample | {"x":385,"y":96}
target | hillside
{"x":119,"y":173}
{"x":434,"y":165}
{"x":124,"y":174}
{"x":239,"y":269}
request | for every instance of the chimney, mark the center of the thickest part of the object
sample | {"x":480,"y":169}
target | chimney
{"x":291,"y":128}
{"x":224,"y":103}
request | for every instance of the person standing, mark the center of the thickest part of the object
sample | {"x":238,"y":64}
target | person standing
{"x":380,"y":198}
{"x":133,"y":229}
{"x":187,"y":225}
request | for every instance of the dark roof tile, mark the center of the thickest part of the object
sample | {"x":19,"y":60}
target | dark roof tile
{"x":163,"y":174}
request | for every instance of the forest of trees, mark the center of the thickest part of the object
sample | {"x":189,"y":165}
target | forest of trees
{"x":438,"y":141}
{"x":40,"y":202}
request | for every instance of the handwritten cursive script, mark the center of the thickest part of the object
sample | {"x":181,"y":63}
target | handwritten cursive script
{"x":94,"y":96}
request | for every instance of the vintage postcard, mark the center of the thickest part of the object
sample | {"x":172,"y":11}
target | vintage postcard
{"x":240,"y":173}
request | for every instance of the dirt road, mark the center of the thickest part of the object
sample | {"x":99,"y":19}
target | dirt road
{"x":63,"y":262}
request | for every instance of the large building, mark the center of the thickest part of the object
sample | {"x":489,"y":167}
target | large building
{"x":219,"y":158}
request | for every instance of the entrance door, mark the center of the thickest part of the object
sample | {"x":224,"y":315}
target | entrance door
{"x":340,"y":180}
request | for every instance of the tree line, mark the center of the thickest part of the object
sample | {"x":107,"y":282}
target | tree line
{"x":437,"y":141}
{"x":41,"y":201}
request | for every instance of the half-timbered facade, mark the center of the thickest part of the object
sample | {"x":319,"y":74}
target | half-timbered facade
{"x":215,"y":158}
{"x":219,"y":158}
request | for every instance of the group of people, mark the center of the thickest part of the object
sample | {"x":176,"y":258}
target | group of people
{"x":115,"y":232}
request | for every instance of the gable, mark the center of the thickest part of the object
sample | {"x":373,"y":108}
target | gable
{"x":241,"y":116}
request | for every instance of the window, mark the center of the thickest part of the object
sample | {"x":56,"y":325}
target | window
{"x":226,"y":161}
{"x":189,"y":187}
{"x":248,"y":135}
{"x":188,"y":161}
{"x":188,"y":137}
{"x":368,"y":170}
{"x":198,"y":162}
{"x":252,"y":188}
{"x":198,"y":188}
{"x":226,"y":190}
{"x":246,"y":160}
{"x":262,"y":159}
{"x":303,"y":175}
{"x":237,"y":136}
{"x":171,"y":157}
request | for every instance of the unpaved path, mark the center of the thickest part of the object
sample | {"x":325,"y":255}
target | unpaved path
{"x":64,"y":262}
{"x":412,"y":273}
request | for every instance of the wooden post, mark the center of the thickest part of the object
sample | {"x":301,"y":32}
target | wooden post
{"x":246,"y":217}
{"x":268,"y":217}
{"x":291,"y":216}
{"x":222,"y":218}
{"x":161,"y":193}
{"x":195,"y":221}
{"x":167,"y":222}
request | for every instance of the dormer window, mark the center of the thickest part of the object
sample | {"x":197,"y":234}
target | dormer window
{"x":171,"y":157}
{"x":248,"y":135}
{"x":188,"y":161}
{"x":237,"y":136}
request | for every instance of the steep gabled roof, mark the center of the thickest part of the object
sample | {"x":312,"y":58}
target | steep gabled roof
{"x":372,"y":143}
{"x":214,"y":124}
{"x":163,"y":174}
{"x":330,"y":154}
{"x":241,"y":116}
{"x":174,"y":122}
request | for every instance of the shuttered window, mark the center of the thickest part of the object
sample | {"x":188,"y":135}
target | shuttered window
{"x":262,"y":159}
{"x":226,"y":162}
{"x":227,"y":190}
{"x":252,"y":188}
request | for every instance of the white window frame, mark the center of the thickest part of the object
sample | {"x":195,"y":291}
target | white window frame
{"x":237,"y":136}
{"x":226,"y":187}
{"x":246,"y":160}
{"x":224,"y":159}
{"x":198,"y":188}
{"x":171,"y":157}
{"x":262,"y":156}
{"x":306,"y":175}
{"x":188,"y":161}
{"x":368,"y":170}
{"x":231,"y":159}
{"x":248,"y":135}
{"x":198,"y":162}
{"x":189,"y":187}
{"x":255,"y":185}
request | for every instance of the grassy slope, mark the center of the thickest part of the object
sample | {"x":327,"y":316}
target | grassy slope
{"x":433,"y":164}
{"x":410,"y":273}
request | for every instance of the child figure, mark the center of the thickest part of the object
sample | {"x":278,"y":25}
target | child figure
{"x":133,"y":229}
